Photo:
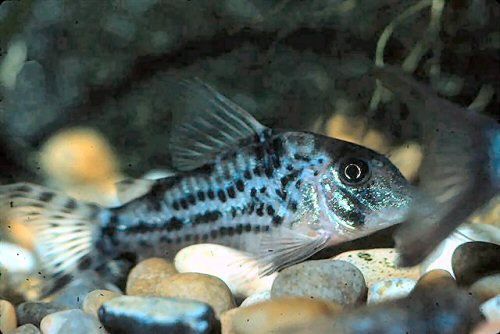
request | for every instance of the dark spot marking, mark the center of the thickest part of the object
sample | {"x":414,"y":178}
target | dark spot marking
{"x":70,"y":205}
{"x":230,"y":231}
{"x":253,"y":192}
{"x":281,"y":194}
{"x":277,"y":220}
{"x":256,"y":170}
{"x":270,"y":210}
{"x":175,"y":224}
{"x":260,"y":210}
{"x":248,"y":227}
{"x":46,"y":196}
{"x":298,"y":184}
{"x":240,"y":186}
{"x":231,"y":192}
{"x":301,"y":157}
{"x":257,"y":228}
{"x":184,"y":203}
{"x":223,"y":231}
{"x":293,"y":206}
{"x":213,"y":234}
{"x":239,"y":229}
{"x":165,"y":239}
{"x":176,"y":205}
{"x":221,"y":195}
{"x":191,"y":199}
{"x":201,"y":195}
{"x":262,"y":190}
{"x":247,"y":175}
{"x":211,"y":194}
{"x":85,"y":263}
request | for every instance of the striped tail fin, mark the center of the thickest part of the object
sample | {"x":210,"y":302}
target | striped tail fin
{"x":63,"y":229}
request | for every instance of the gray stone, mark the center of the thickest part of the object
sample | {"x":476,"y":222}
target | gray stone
{"x":25,"y":329}
{"x":337,"y":281}
{"x":71,"y":321}
{"x":130,"y":314}
{"x":72,"y":295}
{"x":33,"y":312}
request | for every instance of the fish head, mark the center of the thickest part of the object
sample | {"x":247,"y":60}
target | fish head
{"x":361,"y":192}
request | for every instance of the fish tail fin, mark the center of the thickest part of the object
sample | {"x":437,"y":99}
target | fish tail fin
{"x":62,"y":230}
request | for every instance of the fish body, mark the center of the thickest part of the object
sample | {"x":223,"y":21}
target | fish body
{"x":279,"y":195}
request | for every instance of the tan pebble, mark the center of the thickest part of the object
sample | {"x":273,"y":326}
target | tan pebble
{"x":408,"y":158}
{"x":72,"y":155}
{"x":378,"y":264}
{"x":8,"y":319}
{"x":94,"y":300}
{"x":486,"y":287}
{"x":376,"y":141}
{"x":201,"y":287}
{"x":272,"y":315}
{"x":345,"y":128}
{"x":487,"y":328}
{"x":436,"y":277}
{"x":144,"y":277}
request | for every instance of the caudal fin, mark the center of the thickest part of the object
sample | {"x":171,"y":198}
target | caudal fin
{"x":63,"y":229}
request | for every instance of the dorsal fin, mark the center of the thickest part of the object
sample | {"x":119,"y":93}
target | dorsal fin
{"x":210,"y":124}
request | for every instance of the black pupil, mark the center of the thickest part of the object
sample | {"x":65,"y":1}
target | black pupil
{"x":354,"y":170}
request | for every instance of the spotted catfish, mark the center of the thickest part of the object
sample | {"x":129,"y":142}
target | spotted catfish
{"x":279,"y":195}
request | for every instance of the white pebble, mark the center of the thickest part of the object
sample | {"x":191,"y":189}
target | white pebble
{"x":237,"y":269}
{"x":491,"y":309}
{"x":71,"y":321}
{"x":16,"y":259}
{"x":256,"y":298}
{"x":390,"y":289}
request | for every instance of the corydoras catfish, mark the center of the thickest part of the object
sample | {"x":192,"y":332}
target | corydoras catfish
{"x":279,"y":195}
{"x":460,"y":172}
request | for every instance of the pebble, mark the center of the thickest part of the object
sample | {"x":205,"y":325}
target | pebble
{"x":33,"y":312}
{"x":446,"y":310}
{"x":488,"y":328}
{"x":25,"y":329}
{"x":390,"y":289}
{"x":94,"y":300}
{"x":201,"y":287}
{"x":270,"y":315}
{"x":8,"y":320}
{"x":378,"y":264}
{"x":256,"y":298}
{"x":72,"y":295}
{"x":144,"y":277}
{"x":491,"y":309}
{"x":332,"y":280}
{"x":486,"y":287}
{"x":140,"y":314}
{"x":474,"y":260}
{"x":441,"y":257}
{"x":71,"y":321}
{"x":224,"y":263}
{"x":436,"y":277}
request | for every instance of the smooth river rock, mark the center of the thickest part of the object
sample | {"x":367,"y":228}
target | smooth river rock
{"x":25,"y":329}
{"x":144,"y":277}
{"x":390,"y":289}
{"x":8,"y":318}
{"x":34,"y":312}
{"x":71,"y":321}
{"x":94,"y":300}
{"x":201,"y":287}
{"x":153,"y":315}
{"x":472,"y":261}
{"x":268,"y":316}
{"x":336,"y":281}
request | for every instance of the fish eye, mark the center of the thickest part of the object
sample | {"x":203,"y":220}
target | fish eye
{"x":354,"y":171}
